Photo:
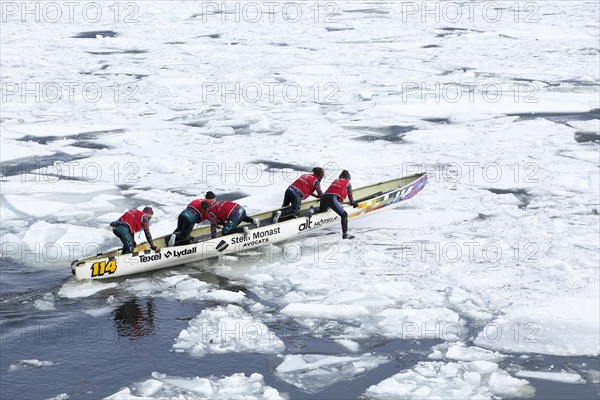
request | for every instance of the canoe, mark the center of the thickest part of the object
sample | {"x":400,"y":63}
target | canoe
{"x":371,"y":199}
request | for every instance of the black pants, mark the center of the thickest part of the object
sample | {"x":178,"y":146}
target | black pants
{"x":185,"y":224}
{"x":333,"y":201}
{"x":237,"y":217}
{"x":123,"y":232}
{"x":291,"y":198}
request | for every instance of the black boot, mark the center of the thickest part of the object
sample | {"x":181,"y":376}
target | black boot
{"x":345,"y":234}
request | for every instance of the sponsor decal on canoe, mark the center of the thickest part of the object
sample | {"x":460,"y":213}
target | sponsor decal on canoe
{"x":167,"y":254}
{"x":154,"y":257}
{"x":310,"y":224}
{"x":257,"y":237}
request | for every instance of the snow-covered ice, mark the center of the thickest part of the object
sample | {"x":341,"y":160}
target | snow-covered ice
{"x":314,"y":372}
{"x":227,"y":329}
{"x":551,"y":328}
{"x":565,"y":377}
{"x":236,"y":386}
{"x":460,"y":352}
{"x":497,"y":256}
{"x":453,"y":380}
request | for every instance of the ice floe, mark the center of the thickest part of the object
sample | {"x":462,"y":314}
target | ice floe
{"x":236,"y":386}
{"x":30,"y":364}
{"x":227,"y":329}
{"x":564,"y":377}
{"x":453,"y":380}
{"x":313,"y":372}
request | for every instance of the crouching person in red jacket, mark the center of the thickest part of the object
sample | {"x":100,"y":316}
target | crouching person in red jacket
{"x":129,"y":224}
{"x":230,"y":215}
{"x":195,"y":212}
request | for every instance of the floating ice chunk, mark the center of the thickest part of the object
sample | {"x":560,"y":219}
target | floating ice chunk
{"x":35,"y":207}
{"x":226,"y":296}
{"x":369,"y":300}
{"x":54,"y":187}
{"x":455,"y":380}
{"x":438,"y":322}
{"x":45,"y":303}
{"x":146,"y":388}
{"x":17,"y":150}
{"x":195,"y":385}
{"x":349,"y":344}
{"x":73,"y":289}
{"x":98,"y":312}
{"x":227,"y":329}
{"x":502,"y":384}
{"x":189,"y":284}
{"x":563,"y":377}
{"x":556,"y":327}
{"x":260,"y":278}
{"x":236,"y":386}
{"x":30,"y":364}
{"x":328,"y":311}
{"x":460,"y":352}
{"x":62,"y":396}
{"x":312,"y":372}
{"x":174,"y":279}
{"x":592,"y":125}
{"x":50,"y":244}
{"x":182,"y":287}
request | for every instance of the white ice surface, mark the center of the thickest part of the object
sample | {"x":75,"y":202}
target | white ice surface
{"x":236,"y":386}
{"x":550,"y":328}
{"x":313,"y":372}
{"x":563,"y":377}
{"x":453,"y":380}
{"x":460,"y":352}
{"x":225,"y":330}
{"x":30,"y":364}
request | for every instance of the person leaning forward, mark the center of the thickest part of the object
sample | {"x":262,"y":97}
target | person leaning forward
{"x":129,"y":224}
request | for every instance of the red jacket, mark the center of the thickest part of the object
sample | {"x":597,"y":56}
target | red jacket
{"x":307,"y":184}
{"x":223,"y":209}
{"x":133,"y":218}
{"x":340,"y":188}
{"x":197,"y":205}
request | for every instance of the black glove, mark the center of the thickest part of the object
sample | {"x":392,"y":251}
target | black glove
{"x":354,"y":204}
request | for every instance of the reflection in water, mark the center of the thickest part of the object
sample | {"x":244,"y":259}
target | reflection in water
{"x":133,"y":320}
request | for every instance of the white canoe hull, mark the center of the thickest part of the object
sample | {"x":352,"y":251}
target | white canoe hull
{"x":112,"y":264}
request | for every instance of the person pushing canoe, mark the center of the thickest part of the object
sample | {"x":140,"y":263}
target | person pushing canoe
{"x":298,"y":191}
{"x":230,"y":215}
{"x":336,"y":193}
{"x":194,"y":213}
{"x":129,"y":224}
